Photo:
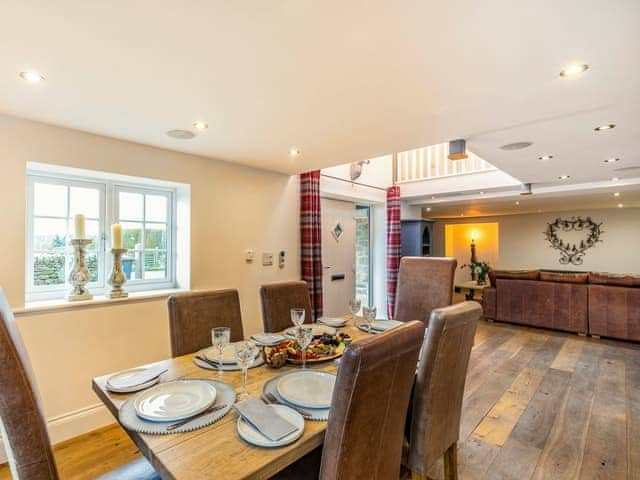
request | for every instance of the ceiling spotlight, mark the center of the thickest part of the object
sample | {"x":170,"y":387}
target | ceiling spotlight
{"x":617,"y":194}
{"x":428,"y":209}
{"x":615,"y":179}
{"x":611,"y":160}
{"x":31,"y":77}
{"x":564,"y":177}
{"x":516,"y":146}
{"x":574,"y":69}
{"x":294,"y":151}
{"x":200,"y":125}
{"x":481,"y":193}
{"x":518,"y":203}
{"x":545,"y":157}
{"x":620,"y":205}
{"x":609,"y":126}
{"x":433,"y":197}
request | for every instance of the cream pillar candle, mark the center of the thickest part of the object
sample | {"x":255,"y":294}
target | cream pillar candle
{"x":79,"y":226}
{"x":116,"y":236}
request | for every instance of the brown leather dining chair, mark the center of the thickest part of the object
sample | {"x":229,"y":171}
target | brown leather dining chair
{"x":439,"y":388}
{"x":423,"y":284}
{"x":365,"y":432}
{"x":277,"y":301}
{"x":22,"y":423}
{"x":192,"y":315}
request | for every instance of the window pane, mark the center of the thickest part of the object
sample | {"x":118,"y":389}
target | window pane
{"x":49,"y":234}
{"x":85,"y":201}
{"x":156,"y":208}
{"x":155,"y":265}
{"x":48,"y":268}
{"x":49,"y":200}
{"x":130,"y":205}
{"x":92,"y":231}
{"x":131,"y":235}
{"x":155,"y":235}
{"x":49,"y":240}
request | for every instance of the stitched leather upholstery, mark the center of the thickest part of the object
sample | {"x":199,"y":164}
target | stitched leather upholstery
{"x":614,"y":311}
{"x":423,"y":284}
{"x":365,"y":431}
{"x":489,"y":302}
{"x":439,"y":386}
{"x":277,"y":301}
{"x":192,"y":315}
{"x":24,"y":431}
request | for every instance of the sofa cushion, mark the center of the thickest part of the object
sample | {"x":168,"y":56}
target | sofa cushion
{"x":616,"y":279}
{"x":564,"y":277}
{"x":513,"y":274}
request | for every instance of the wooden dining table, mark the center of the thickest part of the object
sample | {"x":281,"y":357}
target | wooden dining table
{"x":216,"y":451}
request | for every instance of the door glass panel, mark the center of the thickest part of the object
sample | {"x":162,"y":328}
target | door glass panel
{"x":363,"y":252}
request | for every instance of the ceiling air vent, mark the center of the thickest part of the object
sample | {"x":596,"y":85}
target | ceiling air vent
{"x":516,"y":146}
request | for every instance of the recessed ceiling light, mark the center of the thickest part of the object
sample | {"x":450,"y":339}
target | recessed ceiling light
{"x":516,"y":145}
{"x":181,"y":134}
{"x":574,"y":69}
{"x":608,"y":126}
{"x":481,"y":193}
{"x":611,"y":160}
{"x":615,"y":179}
{"x":433,"y":197}
{"x":294,"y":151}
{"x":620,"y":205}
{"x":564,"y":177}
{"x":545,"y":157}
{"x":428,"y":209}
{"x":31,"y":77}
{"x":517,"y":203}
{"x":199,"y":125}
{"x":617,"y":194}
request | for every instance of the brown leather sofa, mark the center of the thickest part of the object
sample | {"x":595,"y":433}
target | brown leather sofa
{"x":600,"y":304}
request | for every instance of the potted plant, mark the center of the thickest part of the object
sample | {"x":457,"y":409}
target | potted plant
{"x":481,"y":270}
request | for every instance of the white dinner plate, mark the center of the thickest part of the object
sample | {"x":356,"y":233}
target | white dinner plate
{"x":267,"y":339}
{"x":173,"y":401}
{"x":135,"y":388}
{"x":332,"y":321}
{"x":252,"y":435}
{"x":316,"y":329}
{"x":307,"y":388}
{"x":128,"y":381}
{"x":228,"y":356}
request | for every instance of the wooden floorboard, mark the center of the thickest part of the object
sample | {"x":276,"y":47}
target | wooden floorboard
{"x":538,"y":405}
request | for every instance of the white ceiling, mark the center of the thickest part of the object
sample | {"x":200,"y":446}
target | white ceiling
{"x":341,"y":80}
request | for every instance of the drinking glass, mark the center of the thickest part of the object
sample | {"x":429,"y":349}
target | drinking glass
{"x":220,"y":337}
{"x":304,"y":335}
{"x":297,"y":316}
{"x":354,"y":307}
{"x":246,"y":352}
{"x":369,"y":314}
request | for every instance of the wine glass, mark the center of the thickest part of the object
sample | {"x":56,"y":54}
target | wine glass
{"x":354,"y":307}
{"x":297,"y":316}
{"x":246,"y":352}
{"x":220,"y":337}
{"x":369,"y":316}
{"x":304,"y":335}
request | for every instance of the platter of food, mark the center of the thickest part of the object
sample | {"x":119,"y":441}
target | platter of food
{"x":321,"y":349}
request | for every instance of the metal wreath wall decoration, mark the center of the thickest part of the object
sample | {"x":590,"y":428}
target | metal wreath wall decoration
{"x":571,"y":252}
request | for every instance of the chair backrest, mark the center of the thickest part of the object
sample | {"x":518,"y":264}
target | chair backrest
{"x":424,"y":283}
{"x":192,"y":315}
{"x":21,"y":421}
{"x":439,"y":388}
{"x":277,"y":301}
{"x":364,"y":436}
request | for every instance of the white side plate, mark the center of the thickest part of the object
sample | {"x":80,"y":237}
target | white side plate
{"x":251,"y":435}
{"x":316,"y":328}
{"x":173,"y":401}
{"x":308,"y":388}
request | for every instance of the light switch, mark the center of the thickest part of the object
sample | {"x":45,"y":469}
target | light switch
{"x":249,"y":256}
{"x":281,"y":259}
{"x":267,"y":259}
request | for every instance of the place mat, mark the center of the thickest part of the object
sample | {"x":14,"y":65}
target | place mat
{"x":315,"y":414}
{"x":225,"y":367}
{"x":131,"y":421}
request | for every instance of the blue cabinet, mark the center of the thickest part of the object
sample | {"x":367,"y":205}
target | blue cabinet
{"x":416,"y":238}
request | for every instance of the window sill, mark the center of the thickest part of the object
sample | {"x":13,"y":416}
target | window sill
{"x":47,"y":306}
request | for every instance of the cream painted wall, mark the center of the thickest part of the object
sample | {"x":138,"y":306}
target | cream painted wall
{"x":523,"y":245}
{"x":233,"y":208}
{"x":458,"y":245}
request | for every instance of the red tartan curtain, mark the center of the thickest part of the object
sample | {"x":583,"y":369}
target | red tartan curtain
{"x":394,"y":246}
{"x":311,"y":239}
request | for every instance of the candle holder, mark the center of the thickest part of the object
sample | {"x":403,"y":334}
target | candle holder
{"x":79,"y":275}
{"x":117,"y":278}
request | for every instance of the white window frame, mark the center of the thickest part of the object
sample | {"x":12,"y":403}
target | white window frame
{"x":109,"y":213}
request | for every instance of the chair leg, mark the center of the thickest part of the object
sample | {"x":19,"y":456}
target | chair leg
{"x":451,"y":462}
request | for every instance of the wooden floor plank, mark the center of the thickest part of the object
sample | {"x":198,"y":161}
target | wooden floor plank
{"x":605,"y":454}
{"x":633,"y":415}
{"x":515,"y":461}
{"x":568,"y":355}
{"x":474,"y":458}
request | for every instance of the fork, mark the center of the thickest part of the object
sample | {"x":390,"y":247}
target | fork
{"x":211,"y":363}
{"x":271,"y":398}
{"x":209,"y":410}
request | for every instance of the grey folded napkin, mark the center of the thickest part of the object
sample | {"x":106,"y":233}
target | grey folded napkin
{"x":267,"y":338}
{"x":264,"y":419}
{"x":384,"y":325}
{"x":138,"y":379}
